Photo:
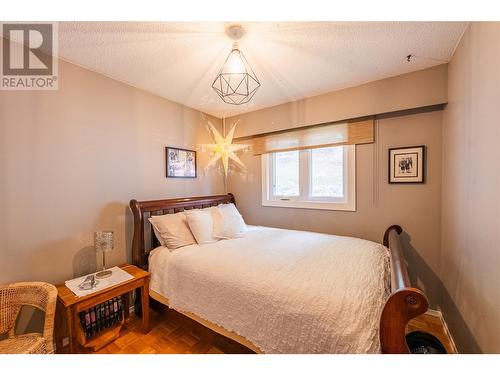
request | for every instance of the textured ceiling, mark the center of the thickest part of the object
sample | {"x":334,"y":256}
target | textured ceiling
{"x":293,"y":60}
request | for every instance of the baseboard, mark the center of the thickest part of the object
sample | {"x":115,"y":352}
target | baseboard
{"x":439,"y":315}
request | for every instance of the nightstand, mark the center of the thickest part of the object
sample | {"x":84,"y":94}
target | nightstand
{"x":69,"y":306}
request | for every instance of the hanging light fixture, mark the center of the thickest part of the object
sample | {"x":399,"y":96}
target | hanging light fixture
{"x":236,"y":82}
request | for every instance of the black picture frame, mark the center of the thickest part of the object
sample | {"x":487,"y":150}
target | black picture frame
{"x":413,"y":152}
{"x":169,"y":164}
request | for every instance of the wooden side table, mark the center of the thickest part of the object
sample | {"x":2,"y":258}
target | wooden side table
{"x":69,"y":306}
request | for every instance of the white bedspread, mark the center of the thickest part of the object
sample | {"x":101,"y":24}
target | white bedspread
{"x":285,"y":291}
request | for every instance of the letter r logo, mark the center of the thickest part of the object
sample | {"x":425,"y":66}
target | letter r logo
{"x":28,"y":49}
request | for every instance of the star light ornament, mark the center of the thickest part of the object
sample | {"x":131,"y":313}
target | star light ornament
{"x":223,"y":149}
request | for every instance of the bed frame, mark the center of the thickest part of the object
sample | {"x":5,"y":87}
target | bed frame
{"x":403,"y":304}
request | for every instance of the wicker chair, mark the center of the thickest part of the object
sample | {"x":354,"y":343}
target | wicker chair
{"x":12,"y":298}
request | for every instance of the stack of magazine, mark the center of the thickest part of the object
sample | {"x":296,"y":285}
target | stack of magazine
{"x":101,"y":316}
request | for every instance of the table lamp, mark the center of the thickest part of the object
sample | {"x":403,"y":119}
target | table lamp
{"x":103,"y":241}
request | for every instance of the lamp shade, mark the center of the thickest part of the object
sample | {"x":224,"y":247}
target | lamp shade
{"x":236,"y":82}
{"x":104,"y":240}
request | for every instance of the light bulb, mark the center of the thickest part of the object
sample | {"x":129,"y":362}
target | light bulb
{"x":235,"y":63}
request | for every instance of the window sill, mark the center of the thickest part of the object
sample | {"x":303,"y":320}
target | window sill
{"x":311,"y":205}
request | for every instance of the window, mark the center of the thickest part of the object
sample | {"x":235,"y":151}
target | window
{"x":286,"y":174}
{"x":320,"y":178}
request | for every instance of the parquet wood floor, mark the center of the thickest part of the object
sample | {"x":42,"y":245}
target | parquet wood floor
{"x":171,"y":333}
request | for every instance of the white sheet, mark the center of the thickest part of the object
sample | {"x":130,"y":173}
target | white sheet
{"x":285,"y":291}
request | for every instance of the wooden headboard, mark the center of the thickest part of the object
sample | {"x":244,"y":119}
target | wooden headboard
{"x":144,"y":239}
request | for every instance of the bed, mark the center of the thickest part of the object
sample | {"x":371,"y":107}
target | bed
{"x":283,"y":291}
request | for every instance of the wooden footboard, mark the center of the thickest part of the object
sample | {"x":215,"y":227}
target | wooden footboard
{"x":404,"y":303}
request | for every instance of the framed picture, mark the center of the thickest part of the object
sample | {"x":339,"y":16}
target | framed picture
{"x":407,"y":164}
{"x":181,"y":163}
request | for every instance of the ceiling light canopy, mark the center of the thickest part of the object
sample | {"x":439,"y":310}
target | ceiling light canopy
{"x":236,"y":83}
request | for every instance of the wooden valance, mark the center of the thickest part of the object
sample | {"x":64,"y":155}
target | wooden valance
{"x":324,"y":135}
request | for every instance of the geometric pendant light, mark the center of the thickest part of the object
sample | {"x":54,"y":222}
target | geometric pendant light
{"x":236,"y":83}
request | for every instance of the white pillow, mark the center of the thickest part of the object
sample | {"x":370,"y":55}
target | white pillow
{"x":158,"y":237}
{"x":228,"y":222}
{"x":173,"y":230}
{"x":201,"y":224}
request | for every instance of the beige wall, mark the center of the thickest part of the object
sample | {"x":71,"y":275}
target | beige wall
{"x":470,"y":262}
{"x":70,"y":161}
{"x":417,"y":207}
{"x":411,"y":90}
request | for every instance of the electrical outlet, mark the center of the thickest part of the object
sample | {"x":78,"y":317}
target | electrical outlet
{"x":65,"y":341}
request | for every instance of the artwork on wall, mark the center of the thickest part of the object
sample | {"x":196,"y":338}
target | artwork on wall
{"x":407,"y":164}
{"x":181,"y":163}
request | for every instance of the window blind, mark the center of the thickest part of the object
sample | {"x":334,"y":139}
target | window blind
{"x":348,"y":133}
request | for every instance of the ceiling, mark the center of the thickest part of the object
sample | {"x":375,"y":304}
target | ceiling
{"x":293,"y":60}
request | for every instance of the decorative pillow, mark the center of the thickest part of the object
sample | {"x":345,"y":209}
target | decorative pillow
{"x":202,"y":225}
{"x":228,"y":222}
{"x":173,"y":230}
